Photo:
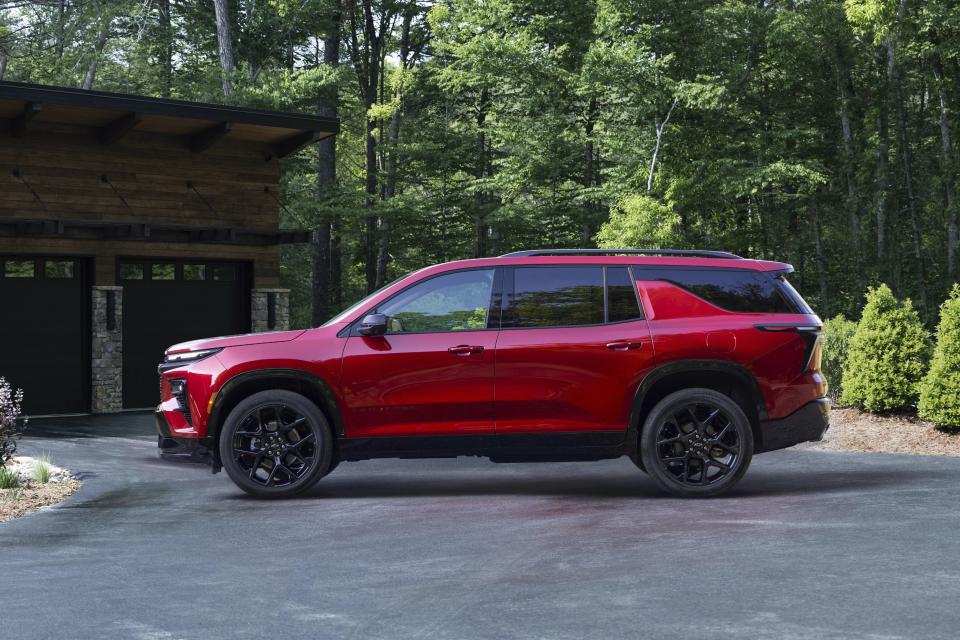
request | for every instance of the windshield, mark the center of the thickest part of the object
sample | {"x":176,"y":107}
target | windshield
{"x":346,"y":313}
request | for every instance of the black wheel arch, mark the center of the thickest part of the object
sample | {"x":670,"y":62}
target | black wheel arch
{"x":724,"y":376}
{"x":244,"y":384}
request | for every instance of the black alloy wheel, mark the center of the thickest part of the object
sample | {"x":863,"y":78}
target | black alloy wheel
{"x":275,"y":444}
{"x":696,"y":442}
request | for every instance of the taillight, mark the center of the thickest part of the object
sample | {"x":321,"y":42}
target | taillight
{"x":816,"y":355}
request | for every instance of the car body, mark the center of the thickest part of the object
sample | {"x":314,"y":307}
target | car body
{"x":537,"y":355}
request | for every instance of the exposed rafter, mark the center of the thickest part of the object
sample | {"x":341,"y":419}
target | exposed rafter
{"x":18,"y":125}
{"x":113,"y":131}
{"x":209,"y":136}
{"x":294,"y":143}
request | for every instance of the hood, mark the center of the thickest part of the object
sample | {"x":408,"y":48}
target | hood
{"x":236,"y":341}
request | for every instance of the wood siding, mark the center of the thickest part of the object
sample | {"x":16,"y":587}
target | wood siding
{"x":147,"y":178}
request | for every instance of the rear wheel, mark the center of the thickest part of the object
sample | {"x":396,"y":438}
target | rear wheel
{"x":696,"y":443}
{"x":276,"y":444}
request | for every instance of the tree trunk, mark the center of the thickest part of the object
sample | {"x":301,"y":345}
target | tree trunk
{"x":883,"y":151}
{"x":225,"y":41}
{"x":97,"y":50}
{"x":821,"y":260}
{"x":659,"y":129}
{"x":948,"y":171}
{"x":60,"y":35}
{"x":906,"y":160}
{"x":480,"y":226}
{"x":166,"y":47}
{"x":3,"y":64}
{"x":323,"y":306}
{"x":844,"y":83}
{"x":588,"y":170}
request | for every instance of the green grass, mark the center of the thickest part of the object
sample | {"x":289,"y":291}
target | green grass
{"x":8,"y":479}
{"x":42,"y":470}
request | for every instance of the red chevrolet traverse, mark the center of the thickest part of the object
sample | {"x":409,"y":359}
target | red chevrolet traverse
{"x":687,"y":362}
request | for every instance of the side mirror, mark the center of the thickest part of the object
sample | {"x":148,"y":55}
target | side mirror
{"x":374,"y":324}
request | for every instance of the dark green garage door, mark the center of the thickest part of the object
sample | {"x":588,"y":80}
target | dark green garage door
{"x":167,"y":301}
{"x":44,"y":332}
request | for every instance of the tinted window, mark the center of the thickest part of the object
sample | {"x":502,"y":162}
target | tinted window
{"x":622,"y":301}
{"x":739,"y":291}
{"x":557,"y":296}
{"x":457,"y":301}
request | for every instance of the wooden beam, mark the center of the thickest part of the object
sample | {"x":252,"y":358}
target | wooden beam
{"x":209,"y":137}
{"x":18,"y":126}
{"x":116,"y":129}
{"x":295,"y":143}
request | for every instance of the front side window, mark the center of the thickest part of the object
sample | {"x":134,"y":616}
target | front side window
{"x":458,"y":301}
{"x":556,"y":297}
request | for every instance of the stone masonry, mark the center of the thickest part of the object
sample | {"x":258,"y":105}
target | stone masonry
{"x":260,"y":312}
{"x":107,"y":352}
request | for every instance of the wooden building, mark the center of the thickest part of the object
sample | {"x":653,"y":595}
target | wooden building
{"x":128,"y":224}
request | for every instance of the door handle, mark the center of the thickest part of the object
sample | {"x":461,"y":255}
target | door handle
{"x":624,"y":345}
{"x":465,"y":349}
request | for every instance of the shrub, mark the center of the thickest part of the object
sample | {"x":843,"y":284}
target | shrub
{"x":940,"y":389}
{"x":8,"y":479}
{"x":836,"y":340}
{"x":10,"y":425}
{"x":887,"y":355}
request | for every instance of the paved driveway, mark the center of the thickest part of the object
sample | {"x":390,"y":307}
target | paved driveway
{"x":811,"y":545}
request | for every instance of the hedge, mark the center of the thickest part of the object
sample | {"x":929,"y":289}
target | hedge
{"x":940,"y":389}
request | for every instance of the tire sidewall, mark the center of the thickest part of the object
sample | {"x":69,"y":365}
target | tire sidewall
{"x":318,"y":422}
{"x":648,"y":444}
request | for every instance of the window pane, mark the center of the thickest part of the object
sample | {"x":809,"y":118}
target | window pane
{"x":557,"y":296}
{"x":163,"y":271}
{"x":194,"y":272}
{"x":226,"y":272}
{"x":621,"y":296}
{"x":58,"y":269}
{"x":740,"y":291}
{"x":131,"y":271}
{"x":454,"y":302}
{"x":18,"y":268}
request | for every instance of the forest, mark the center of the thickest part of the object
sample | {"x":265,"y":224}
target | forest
{"x":816,"y":132}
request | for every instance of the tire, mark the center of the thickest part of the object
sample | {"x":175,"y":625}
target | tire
{"x":275,"y":444}
{"x":696,"y":443}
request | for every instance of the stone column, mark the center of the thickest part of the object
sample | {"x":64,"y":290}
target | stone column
{"x":107,"y":350}
{"x":270,"y":310}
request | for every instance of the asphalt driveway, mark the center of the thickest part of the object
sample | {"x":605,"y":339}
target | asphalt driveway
{"x":810,"y":545}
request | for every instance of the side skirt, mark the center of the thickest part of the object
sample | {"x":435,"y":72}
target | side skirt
{"x":523,"y":447}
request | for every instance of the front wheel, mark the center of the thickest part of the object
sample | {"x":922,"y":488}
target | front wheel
{"x":696,"y":443}
{"x":276,"y":444}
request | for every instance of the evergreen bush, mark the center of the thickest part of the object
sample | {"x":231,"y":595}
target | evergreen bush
{"x":837,"y":332}
{"x":887,"y":355}
{"x":940,"y":389}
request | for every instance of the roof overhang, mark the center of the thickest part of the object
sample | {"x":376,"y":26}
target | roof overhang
{"x":115,"y":115}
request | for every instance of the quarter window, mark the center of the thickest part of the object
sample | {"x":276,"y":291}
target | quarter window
{"x":740,"y":291}
{"x":458,"y":301}
{"x":556,"y":297}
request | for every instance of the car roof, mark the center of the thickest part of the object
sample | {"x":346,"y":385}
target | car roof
{"x":634,"y":260}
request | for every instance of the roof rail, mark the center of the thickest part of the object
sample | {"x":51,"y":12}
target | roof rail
{"x":687,"y":253}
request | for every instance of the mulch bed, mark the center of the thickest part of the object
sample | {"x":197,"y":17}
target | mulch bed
{"x":855,"y":430}
{"x":32,"y":496}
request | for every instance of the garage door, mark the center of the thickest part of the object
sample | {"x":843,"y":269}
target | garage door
{"x":44,"y":332}
{"x":167,"y":301}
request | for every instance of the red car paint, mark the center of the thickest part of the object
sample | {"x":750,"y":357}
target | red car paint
{"x":509,"y":380}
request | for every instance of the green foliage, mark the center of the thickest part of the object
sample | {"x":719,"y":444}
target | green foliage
{"x":940,"y":389}
{"x":887,"y":355}
{"x":640,"y":221}
{"x":42,"y":470}
{"x":837,"y":333}
{"x":8,"y":479}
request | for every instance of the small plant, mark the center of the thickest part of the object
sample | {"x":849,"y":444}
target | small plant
{"x":10,"y":425}
{"x":940,"y":389}
{"x":8,"y":479}
{"x":837,"y":333}
{"x":42,"y":470}
{"x":887,"y":355}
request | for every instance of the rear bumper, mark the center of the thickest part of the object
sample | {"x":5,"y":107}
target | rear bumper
{"x":806,"y":424}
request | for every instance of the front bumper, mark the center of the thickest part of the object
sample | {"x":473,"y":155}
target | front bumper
{"x":806,"y":424}
{"x":167,"y":442}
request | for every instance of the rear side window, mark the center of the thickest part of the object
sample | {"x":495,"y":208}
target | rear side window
{"x":622,"y":302}
{"x":734,"y":290}
{"x":556,"y":297}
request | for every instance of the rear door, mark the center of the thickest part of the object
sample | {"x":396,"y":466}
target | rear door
{"x":572,"y":350}
{"x":432,"y":373}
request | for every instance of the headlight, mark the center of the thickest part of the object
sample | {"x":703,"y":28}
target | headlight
{"x":190,"y":356}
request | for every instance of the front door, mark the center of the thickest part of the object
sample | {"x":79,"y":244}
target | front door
{"x":572,"y":350}
{"x":432,"y":373}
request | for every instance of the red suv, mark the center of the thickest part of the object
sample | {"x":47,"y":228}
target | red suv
{"x":687,"y":362}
